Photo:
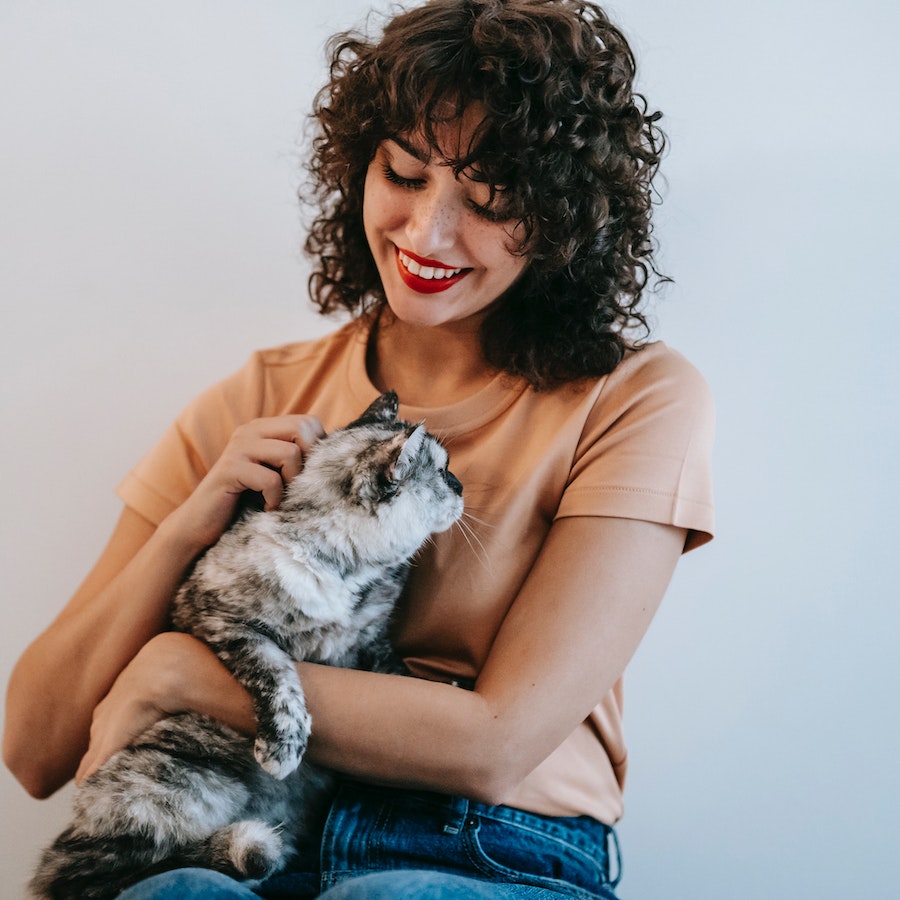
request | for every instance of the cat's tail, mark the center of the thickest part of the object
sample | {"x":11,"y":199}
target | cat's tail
{"x":80,"y":867}
{"x":77,"y":867}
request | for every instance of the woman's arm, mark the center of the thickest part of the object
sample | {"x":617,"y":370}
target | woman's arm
{"x":124,"y":602}
{"x":59,"y":679}
{"x":564,"y":643}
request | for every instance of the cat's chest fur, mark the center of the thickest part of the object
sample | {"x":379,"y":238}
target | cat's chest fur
{"x":313,"y":602}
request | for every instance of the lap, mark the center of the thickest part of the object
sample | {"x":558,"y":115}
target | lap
{"x":426,"y":885}
{"x":191,"y":884}
{"x":182,"y":884}
{"x":388,"y":844}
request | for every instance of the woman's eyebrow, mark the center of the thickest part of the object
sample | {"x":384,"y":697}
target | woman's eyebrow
{"x":423,"y":156}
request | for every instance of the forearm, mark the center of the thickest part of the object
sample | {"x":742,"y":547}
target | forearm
{"x":67,"y":670}
{"x":407,"y":732}
{"x":560,"y":650}
{"x":562,"y":647}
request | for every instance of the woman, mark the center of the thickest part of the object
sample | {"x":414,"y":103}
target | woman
{"x":483,"y":172}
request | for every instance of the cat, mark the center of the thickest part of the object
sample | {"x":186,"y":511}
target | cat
{"x":316,"y":579}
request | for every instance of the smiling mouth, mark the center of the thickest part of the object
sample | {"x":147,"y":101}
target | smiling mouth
{"x":425,"y":275}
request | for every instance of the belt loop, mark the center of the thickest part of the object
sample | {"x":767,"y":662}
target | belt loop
{"x":457,"y":811}
{"x":611,"y":834}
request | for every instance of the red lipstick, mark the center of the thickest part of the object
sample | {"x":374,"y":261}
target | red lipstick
{"x":427,"y":285}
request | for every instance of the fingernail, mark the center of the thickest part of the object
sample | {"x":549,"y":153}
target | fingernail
{"x":307,"y":432}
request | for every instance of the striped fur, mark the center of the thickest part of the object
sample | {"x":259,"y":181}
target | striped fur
{"x":316,"y":579}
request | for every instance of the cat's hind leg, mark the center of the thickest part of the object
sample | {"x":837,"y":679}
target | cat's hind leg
{"x":180,"y":782}
{"x":86,"y":867}
{"x":250,"y":849}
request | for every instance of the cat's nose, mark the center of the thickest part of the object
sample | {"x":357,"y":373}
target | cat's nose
{"x":453,"y":482}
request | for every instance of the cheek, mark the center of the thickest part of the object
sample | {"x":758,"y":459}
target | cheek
{"x":381,"y":211}
{"x":498,"y":245}
{"x":503,"y":259}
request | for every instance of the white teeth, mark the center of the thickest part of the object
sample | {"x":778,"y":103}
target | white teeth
{"x":426,"y":272}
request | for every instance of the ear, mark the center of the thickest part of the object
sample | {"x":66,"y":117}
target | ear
{"x":408,"y":453}
{"x":384,"y":409}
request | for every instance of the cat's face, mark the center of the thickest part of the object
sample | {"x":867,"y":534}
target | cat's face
{"x":388,"y":471}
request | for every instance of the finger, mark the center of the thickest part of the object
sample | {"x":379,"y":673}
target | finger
{"x":90,"y":762}
{"x":85,"y":768}
{"x":262,"y":479}
{"x":309,"y":430}
{"x":278,"y":455}
{"x":283,"y":428}
{"x":286,"y":456}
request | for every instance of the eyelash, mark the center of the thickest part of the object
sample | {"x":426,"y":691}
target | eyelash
{"x":399,"y":180}
{"x":484,"y":212}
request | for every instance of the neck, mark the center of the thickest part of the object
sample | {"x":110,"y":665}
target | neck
{"x":427,"y":366}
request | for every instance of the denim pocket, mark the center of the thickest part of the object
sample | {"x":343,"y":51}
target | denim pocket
{"x":531,"y":851}
{"x":379,"y":829}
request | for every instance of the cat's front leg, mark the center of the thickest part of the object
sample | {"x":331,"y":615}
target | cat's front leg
{"x":268,"y":674}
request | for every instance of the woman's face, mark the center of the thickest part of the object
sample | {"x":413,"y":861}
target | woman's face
{"x":442,"y":254}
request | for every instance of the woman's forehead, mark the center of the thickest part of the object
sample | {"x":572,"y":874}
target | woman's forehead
{"x":453,"y":138}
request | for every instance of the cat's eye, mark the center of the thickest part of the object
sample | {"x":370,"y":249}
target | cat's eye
{"x":387,"y":487}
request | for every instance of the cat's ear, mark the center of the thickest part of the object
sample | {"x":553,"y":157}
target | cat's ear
{"x":384,"y":409}
{"x":408,"y":453}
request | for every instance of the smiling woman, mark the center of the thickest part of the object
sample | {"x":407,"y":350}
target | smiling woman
{"x":483,"y":172}
{"x":533,"y":104}
{"x":431,"y":230}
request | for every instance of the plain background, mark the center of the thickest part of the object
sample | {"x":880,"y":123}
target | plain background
{"x":149,"y":240}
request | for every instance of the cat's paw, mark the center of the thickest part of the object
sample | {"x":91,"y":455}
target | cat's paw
{"x":279,"y":758}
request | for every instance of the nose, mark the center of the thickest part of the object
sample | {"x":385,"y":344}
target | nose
{"x":453,"y":483}
{"x":433,"y":221}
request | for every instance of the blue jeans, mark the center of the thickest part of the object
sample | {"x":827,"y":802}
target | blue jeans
{"x":385,"y":844}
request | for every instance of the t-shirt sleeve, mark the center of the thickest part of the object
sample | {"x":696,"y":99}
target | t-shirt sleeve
{"x":646,"y":449}
{"x":168,"y":474}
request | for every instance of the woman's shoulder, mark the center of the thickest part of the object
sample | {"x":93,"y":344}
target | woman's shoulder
{"x":302,"y":353}
{"x":659,"y":373}
{"x":656,"y":361}
{"x":273,"y":374}
{"x":267,"y":383}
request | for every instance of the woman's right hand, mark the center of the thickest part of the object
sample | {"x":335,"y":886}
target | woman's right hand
{"x":118,"y":613}
{"x":263,"y":456}
{"x":172,"y":673}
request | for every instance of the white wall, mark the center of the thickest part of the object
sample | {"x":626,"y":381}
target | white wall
{"x":148,"y":242}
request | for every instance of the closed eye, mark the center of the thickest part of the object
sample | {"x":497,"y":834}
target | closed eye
{"x":399,"y":180}
{"x":488,"y":213}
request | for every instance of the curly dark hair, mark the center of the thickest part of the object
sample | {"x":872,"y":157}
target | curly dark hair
{"x":567,"y":145}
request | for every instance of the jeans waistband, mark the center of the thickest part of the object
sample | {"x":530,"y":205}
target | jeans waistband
{"x":454,"y":813}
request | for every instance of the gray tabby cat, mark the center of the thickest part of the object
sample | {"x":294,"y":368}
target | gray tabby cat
{"x":316,"y":579}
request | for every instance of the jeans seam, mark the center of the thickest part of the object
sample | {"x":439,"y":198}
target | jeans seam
{"x":582,"y":852}
{"x":491,"y":870}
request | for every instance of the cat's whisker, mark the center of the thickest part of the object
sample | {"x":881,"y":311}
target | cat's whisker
{"x":472,"y":539}
{"x":473,"y":518}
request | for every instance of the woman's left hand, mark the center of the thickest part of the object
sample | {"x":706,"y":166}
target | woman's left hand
{"x":171,"y":673}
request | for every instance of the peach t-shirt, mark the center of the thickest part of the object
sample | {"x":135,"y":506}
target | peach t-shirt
{"x":634,"y":444}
